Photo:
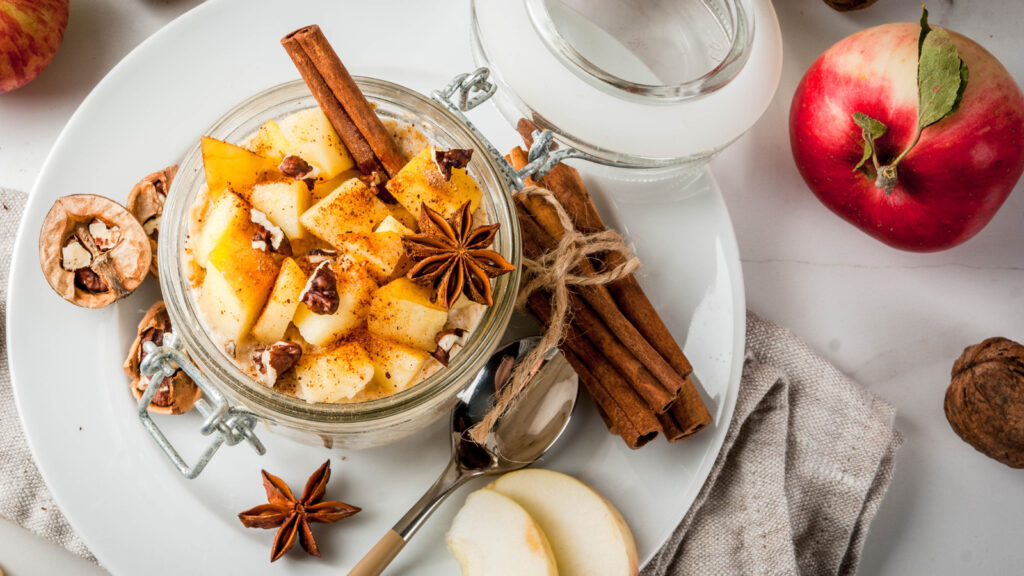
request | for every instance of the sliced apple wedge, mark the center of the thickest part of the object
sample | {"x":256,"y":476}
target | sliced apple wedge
{"x":270,"y":142}
{"x":392,"y":224}
{"x":493,"y":536}
{"x":335,"y":374}
{"x":281,"y":304}
{"x":230,"y":167}
{"x":311,"y":136}
{"x":228,"y":213}
{"x":420,"y":180}
{"x":395,"y":366}
{"x":586,"y":533}
{"x":355,"y":290}
{"x":402,"y":311}
{"x":350,"y":209}
{"x":283,"y":201}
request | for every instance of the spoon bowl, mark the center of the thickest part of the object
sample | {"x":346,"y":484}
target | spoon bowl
{"x":522,"y":435}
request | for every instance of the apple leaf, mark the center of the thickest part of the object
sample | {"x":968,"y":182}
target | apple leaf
{"x":941,"y":75}
{"x":871,"y":130}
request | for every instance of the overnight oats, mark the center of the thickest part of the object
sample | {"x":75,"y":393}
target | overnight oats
{"x":330,"y":282}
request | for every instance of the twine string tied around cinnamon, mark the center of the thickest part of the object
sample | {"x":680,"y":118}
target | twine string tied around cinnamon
{"x":555,"y":273}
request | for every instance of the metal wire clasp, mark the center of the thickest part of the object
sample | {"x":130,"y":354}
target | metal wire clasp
{"x":467,"y":91}
{"x":226,"y":423}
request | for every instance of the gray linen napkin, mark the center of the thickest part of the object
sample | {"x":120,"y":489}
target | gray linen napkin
{"x":24,"y":498}
{"x":805,"y":464}
{"x":806,"y":461}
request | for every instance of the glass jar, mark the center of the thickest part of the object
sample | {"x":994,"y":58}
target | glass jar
{"x":651,"y":88}
{"x":364,"y":424}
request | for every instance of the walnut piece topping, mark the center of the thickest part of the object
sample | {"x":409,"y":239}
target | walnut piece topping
{"x":295,"y":167}
{"x":446,"y":341}
{"x":454,"y":158}
{"x":92,"y":250}
{"x":321,"y":292}
{"x":276,"y":359}
{"x":270,"y":233}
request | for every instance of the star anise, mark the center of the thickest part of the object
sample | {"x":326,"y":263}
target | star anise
{"x":452,"y":256}
{"x":294,"y":516}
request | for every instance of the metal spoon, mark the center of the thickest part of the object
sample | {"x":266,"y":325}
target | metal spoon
{"x":521,"y":436}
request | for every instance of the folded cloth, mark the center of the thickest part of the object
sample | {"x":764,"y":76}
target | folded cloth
{"x":24,"y":498}
{"x":806,"y":461}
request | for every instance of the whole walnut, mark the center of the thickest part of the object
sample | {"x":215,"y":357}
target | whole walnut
{"x":985,"y":400}
{"x":847,"y":5}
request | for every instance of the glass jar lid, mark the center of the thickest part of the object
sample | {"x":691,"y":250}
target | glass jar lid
{"x":638,"y":83}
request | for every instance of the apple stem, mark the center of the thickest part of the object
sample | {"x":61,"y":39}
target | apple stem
{"x":886,"y":175}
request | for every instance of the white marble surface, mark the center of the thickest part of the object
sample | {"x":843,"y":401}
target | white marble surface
{"x":895,"y":321}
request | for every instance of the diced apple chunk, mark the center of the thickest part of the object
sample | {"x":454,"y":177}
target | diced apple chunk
{"x":227,"y":213}
{"x":281,"y":305}
{"x":230,"y":167}
{"x":395,"y":365}
{"x":238,"y":280}
{"x":351,"y":208}
{"x":421,"y":181}
{"x":311,"y":137}
{"x":402,"y":311}
{"x":283,"y":202}
{"x":270,"y":142}
{"x":381,"y":252}
{"x":355,"y":291}
{"x":335,"y":374}
{"x":392,"y":224}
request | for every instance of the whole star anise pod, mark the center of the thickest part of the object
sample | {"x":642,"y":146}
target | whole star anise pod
{"x":294,"y":516}
{"x":452,"y":256}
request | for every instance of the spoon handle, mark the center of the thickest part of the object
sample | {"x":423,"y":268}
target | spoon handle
{"x":378,"y":558}
{"x":382,"y":553}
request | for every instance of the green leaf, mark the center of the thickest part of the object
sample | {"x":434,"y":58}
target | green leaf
{"x":870,"y":130}
{"x":941,"y":75}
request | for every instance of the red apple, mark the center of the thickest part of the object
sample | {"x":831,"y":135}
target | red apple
{"x":30,"y":33}
{"x":950,"y":184}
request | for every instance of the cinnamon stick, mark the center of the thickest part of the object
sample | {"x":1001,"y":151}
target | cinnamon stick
{"x":361,"y":130}
{"x":632,"y":418}
{"x":657,"y":396}
{"x":681,"y":422}
{"x":620,"y":424}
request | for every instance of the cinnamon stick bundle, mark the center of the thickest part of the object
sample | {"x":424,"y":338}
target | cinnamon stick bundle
{"x":614,"y":324}
{"x":360,"y":129}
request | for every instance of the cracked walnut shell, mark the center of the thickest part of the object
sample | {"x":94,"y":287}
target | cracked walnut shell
{"x":985,"y":400}
{"x":92,"y":251}
{"x":178,"y":393}
{"x":146,"y":203}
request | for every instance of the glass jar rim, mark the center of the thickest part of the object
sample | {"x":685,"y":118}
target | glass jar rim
{"x":740,"y":38}
{"x":281,"y":407}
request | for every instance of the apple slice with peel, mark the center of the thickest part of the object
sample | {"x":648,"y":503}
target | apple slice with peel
{"x":586,"y":532}
{"x":232,"y":167}
{"x":493,"y":536}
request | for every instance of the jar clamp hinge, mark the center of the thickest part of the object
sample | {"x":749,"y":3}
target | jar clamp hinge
{"x":467,"y":91}
{"x":227,"y":424}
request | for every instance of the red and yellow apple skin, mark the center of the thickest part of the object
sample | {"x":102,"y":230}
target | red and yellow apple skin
{"x":30,"y":33}
{"x":951,"y":183}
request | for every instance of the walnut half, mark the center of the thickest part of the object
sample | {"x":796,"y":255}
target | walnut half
{"x":92,"y":251}
{"x":146,"y":203}
{"x":985,"y":400}
{"x":178,"y":393}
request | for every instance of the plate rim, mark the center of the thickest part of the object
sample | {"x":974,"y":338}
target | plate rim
{"x":727,"y":234}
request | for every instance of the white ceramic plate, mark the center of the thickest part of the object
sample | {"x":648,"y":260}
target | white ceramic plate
{"x":127,"y":501}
